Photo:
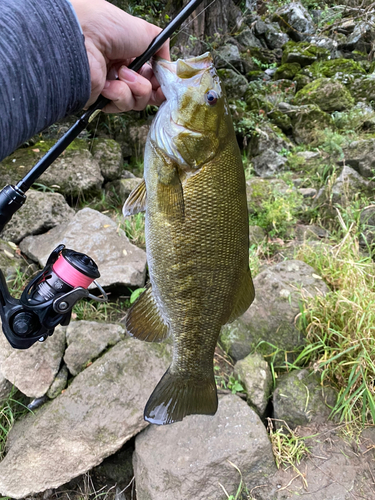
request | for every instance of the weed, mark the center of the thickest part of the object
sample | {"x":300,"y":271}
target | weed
{"x":340,"y":326}
{"x":10,"y":410}
{"x":134,"y":227}
{"x":134,"y":295}
{"x":288,"y":447}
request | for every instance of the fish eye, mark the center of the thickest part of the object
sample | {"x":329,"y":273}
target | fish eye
{"x":211,"y":97}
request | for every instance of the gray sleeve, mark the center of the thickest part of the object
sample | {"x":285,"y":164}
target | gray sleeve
{"x":44,"y":71}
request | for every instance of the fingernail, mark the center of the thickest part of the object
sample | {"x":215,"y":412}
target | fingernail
{"x":107,"y":84}
{"x":128,"y":74}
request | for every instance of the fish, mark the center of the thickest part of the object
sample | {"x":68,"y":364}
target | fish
{"x":197,"y":235}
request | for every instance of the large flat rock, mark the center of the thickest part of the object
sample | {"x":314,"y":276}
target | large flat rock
{"x":188,"y":460}
{"x":120,"y":262}
{"x":33,"y":370}
{"x":100,"y":410}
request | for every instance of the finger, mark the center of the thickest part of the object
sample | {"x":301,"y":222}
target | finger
{"x":157,"y":97}
{"x":140,"y":87}
{"x":120,"y":95}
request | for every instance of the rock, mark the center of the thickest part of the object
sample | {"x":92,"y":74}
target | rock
{"x":307,"y":121}
{"x":256,"y":235}
{"x":41,"y":212}
{"x":59,"y":383}
{"x":108,"y":154}
{"x":361,"y":116}
{"x":308,"y":192}
{"x":193,"y":456}
{"x":235,"y":84}
{"x":363,"y":88}
{"x":120,"y":263}
{"x":300,"y":399}
{"x":327,"y":93}
{"x":73,"y":173}
{"x":133,"y":140}
{"x":11,"y":263}
{"x":348,"y":185}
{"x":118,"y":467}
{"x":341,"y":69}
{"x":5,"y":388}
{"x":303,"y":53}
{"x":100,"y":410}
{"x":33,"y":370}
{"x":362,"y":37}
{"x":269,"y":323}
{"x":287,"y":71}
{"x":310,"y":232}
{"x":268,"y":163}
{"x":256,"y":378}
{"x":268,"y":137}
{"x":360,"y":155}
{"x":259,"y":190}
{"x":121,"y":188}
{"x":247,"y":39}
{"x":228,"y":57}
{"x":367,"y":222}
{"x":275,"y":38}
{"x":296,"y":21}
{"x":87,"y":340}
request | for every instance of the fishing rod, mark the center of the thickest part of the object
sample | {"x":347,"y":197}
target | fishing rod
{"x":49,"y":298}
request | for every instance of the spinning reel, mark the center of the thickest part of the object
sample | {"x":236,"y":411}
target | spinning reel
{"x":49,"y":298}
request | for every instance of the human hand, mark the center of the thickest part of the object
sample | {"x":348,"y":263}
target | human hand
{"x":113,"y":39}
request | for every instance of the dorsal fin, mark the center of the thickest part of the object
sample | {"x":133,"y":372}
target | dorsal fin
{"x":136,"y":201}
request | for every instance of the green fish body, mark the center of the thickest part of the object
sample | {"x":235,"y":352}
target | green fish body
{"x":197,"y":235}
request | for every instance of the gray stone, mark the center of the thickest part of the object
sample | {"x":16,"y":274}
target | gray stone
{"x":41,"y":212}
{"x":59,"y":383}
{"x":362,"y":88}
{"x":228,"y":57}
{"x":307,"y":192}
{"x":108,"y":154}
{"x":33,"y":370}
{"x":5,"y":388}
{"x":360,"y":156}
{"x":256,"y":235}
{"x":296,"y":20}
{"x":87,"y":340}
{"x":248,"y":40}
{"x":193,"y":456}
{"x":235,"y":84}
{"x":100,"y":410}
{"x":344,"y":189}
{"x":362,"y":37}
{"x":299,"y":399}
{"x":268,"y":138}
{"x":310,"y":232}
{"x":256,"y":378}
{"x":275,"y":38}
{"x":269,"y":323}
{"x":73,"y":173}
{"x":268,"y":163}
{"x":11,"y":262}
{"x":120,"y":262}
{"x":122,"y":187}
{"x":367,"y":221}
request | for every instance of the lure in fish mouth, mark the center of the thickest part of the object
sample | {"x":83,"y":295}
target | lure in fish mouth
{"x":197,"y":235}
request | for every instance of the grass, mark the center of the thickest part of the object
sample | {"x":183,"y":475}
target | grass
{"x":10,"y":410}
{"x":340,"y":326}
{"x":134,"y":227}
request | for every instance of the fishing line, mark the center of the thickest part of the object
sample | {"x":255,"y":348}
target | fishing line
{"x":192,"y":20}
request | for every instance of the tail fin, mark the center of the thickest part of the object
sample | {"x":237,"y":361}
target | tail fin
{"x":176,"y":396}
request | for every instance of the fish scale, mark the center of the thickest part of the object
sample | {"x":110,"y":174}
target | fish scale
{"x":197,"y":236}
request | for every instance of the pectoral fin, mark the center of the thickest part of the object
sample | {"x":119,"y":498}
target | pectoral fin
{"x":136,"y":201}
{"x":170,"y":194}
{"x":144,"y":320}
{"x":244,"y":297}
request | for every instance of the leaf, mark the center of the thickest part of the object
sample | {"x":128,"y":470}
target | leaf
{"x":134,"y":296}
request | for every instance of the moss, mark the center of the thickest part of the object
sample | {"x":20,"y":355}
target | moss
{"x":328,"y":69}
{"x":363,"y":88}
{"x":287,"y":71}
{"x":303,"y":53}
{"x":281,"y":120}
{"x":301,"y":81}
{"x":255,"y":75}
{"x":307,"y":120}
{"x":328,"y":94}
{"x":264,"y":56}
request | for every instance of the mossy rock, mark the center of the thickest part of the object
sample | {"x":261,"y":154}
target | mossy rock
{"x":265,"y":56}
{"x":326,"y":93}
{"x":287,"y":71}
{"x":301,"y":80}
{"x":303,"y":53}
{"x":255,"y":75}
{"x":270,"y":92}
{"x":281,"y":120}
{"x":328,"y":69}
{"x":307,"y":121}
{"x":234,"y":83}
{"x":258,"y":102}
{"x":363,"y":88}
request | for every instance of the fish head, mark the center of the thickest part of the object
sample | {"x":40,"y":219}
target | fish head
{"x":194,"y":118}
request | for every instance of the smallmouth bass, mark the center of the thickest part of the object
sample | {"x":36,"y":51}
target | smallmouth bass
{"x":197,"y":235}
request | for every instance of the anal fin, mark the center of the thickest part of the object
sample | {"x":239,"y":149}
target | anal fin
{"x":244,"y":296}
{"x":144,"y":320}
{"x":136,"y":202}
{"x":177,"y":396}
